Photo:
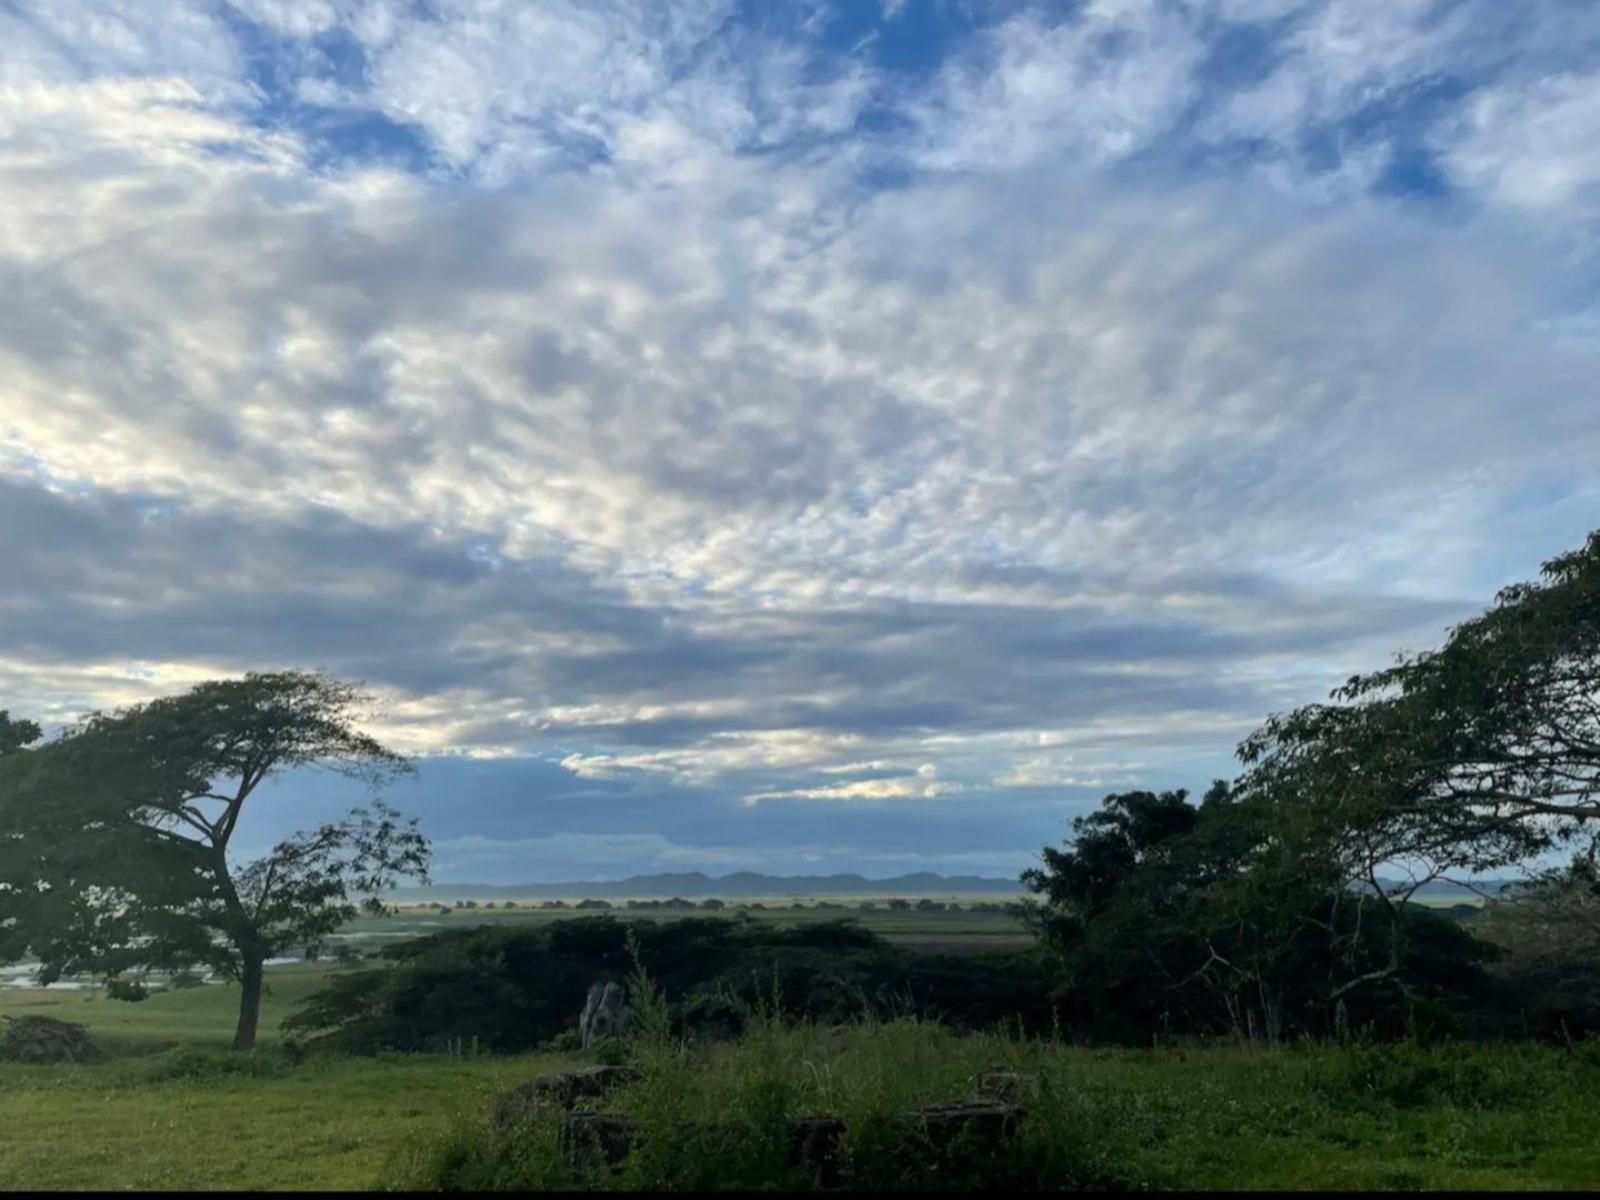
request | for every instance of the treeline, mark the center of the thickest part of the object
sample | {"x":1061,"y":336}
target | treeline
{"x":1269,"y":909}
{"x":514,"y":988}
{"x":1264,"y":912}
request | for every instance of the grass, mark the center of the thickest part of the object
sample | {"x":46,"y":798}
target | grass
{"x":1454,"y":1117}
{"x":201,"y":1017}
{"x":171,"y":1110}
{"x":186,"y":1122}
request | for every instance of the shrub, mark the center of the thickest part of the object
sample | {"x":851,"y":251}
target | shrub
{"x":198,"y":1066}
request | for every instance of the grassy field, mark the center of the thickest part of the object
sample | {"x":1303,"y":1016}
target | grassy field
{"x":169,"y":1110}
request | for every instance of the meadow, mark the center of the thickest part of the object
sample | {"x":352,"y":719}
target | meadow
{"x":169,"y":1109}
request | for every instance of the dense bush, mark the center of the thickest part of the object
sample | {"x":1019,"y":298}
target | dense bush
{"x":518,"y":987}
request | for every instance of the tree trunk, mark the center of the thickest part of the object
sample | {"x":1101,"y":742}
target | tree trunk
{"x":244,"y":1037}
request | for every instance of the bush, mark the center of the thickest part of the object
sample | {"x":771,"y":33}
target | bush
{"x":1408,"y":1075}
{"x":199,"y":1066}
{"x":516,"y":988}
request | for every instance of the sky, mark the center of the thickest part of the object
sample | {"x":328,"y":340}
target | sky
{"x":796,"y":437}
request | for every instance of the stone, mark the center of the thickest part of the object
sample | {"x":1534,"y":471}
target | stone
{"x":563,"y":1090}
{"x":603,"y":1139}
{"x":1003,"y":1087}
{"x":976,"y":1128}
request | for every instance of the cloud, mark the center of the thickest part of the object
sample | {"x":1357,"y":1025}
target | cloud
{"x":1533,"y":147}
{"x":708,"y":408}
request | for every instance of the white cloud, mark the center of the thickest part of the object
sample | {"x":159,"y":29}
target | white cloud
{"x":917,"y":483}
{"x":1533,"y":146}
{"x":1093,"y":88}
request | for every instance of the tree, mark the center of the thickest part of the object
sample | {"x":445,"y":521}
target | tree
{"x":115,"y":837}
{"x":15,"y":736}
{"x":1548,"y":932}
{"x":1480,"y":754}
{"x":1168,"y":916}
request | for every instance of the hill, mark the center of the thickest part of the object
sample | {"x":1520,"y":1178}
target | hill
{"x":693,"y":885}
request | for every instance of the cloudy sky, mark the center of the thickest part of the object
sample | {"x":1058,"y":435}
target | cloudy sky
{"x":796,"y":437}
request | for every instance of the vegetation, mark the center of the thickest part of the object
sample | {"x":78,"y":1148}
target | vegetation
{"x":1363,"y":1116}
{"x":1300,"y":1017}
{"x":114,"y":838}
{"x":517,"y":987}
{"x":1168,"y":917}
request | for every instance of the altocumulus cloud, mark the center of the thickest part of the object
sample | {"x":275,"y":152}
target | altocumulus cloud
{"x":846,"y":436}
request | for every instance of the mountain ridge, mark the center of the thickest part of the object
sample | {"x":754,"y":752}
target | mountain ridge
{"x":698,"y":885}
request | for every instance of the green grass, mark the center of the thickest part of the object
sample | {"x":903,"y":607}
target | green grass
{"x":1505,"y":1116}
{"x":1468,"y":1117}
{"x":201,"y":1017}
{"x":331,"y":1124}
{"x":197,"y":1118}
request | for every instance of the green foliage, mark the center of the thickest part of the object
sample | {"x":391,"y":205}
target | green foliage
{"x":1174,"y":918}
{"x":1479,"y":754}
{"x":198,"y":1066}
{"x":517,"y":987}
{"x":1548,"y":934}
{"x":130,"y":990}
{"x":1407,"y":1075}
{"x":1369,"y":1116}
{"x":114,"y":837}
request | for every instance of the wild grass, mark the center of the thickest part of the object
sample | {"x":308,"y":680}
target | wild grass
{"x":171,"y":1110}
{"x":1361,"y":1117}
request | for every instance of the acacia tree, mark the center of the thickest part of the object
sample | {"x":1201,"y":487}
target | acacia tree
{"x":1480,"y":754}
{"x":115,"y":836}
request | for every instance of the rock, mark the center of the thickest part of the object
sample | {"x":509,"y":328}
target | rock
{"x":36,"y":1039}
{"x":603,"y":1139}
{"x":971,"y":1129}
{"x":563,"y":1090}
{"x":1003,"y":1087}
{"x":605,"y":1013}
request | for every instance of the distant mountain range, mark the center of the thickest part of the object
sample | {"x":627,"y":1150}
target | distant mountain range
{"x":1443,"y":887}
{"x":695,"y":885}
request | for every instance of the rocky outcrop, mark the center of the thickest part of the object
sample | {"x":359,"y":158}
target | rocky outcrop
{"x":598,"y":1139}
{"x":975,"y":1128}
{"x":1003,"y":1087}
{"x":36,"y":1039}
{"x":562,"y":1090}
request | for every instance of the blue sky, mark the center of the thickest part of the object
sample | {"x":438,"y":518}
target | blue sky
{"x":795,"y":437}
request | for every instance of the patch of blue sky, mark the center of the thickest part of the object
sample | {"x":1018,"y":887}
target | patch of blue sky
{"x":277,"y":66}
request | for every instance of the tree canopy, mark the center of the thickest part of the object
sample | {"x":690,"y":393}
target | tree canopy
{"x":115,"y":836}
{"x":1483,"y":753}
